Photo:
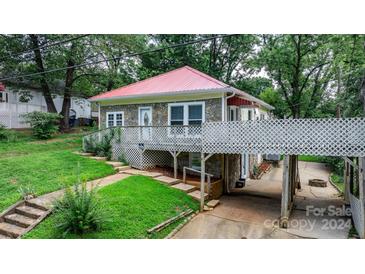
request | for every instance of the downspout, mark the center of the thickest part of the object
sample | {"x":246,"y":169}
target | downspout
{"x":225,"y":156}
{"x":99,"y":118}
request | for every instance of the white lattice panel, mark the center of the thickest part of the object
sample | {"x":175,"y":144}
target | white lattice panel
{"x":329,"y":137}
{"x":356,"y":214}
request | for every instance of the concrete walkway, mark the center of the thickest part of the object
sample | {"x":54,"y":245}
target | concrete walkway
{"x":254,"y":211}
{"x":49,"y":198}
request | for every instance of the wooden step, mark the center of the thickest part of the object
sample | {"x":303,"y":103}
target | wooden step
{"x":122,"y":168}
{"x":98,"y":158}
{"x":19,"y":220}
{"x":83,"y":153}
{"x":10,"y":230}
{"x":184,"y":187}
{"x":38,"y":203}
{"x":113,"y":163}
{"x":196,"y":195}
{"x":30,"y":212}
{"x":168,"y":180}
{"x":213,"y":203}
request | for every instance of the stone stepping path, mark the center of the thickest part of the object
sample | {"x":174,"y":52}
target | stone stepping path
{"x":98,"y":158}
{"x":168,"y":180}
{"x":114,"y":164}
{"x":133,"y":171}
{"x":122,"y":168}
{"x":184,"y":187}
{"x":196,"y":195}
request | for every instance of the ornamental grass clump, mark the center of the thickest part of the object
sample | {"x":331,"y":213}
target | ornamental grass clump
{"x":79,"y":211}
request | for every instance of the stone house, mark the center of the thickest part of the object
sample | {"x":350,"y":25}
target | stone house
{"x":184,"y":97}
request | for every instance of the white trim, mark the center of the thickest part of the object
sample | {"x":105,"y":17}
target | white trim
{"x":186,"y":111}
{"x":223,"y":108}
{"x":114,"y":120}
{"x":236,"y":112}
{"x":139,"y":113}
{"x":99,"y":117}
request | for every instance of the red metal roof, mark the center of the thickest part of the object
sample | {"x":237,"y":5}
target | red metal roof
{"x":178,"y":80}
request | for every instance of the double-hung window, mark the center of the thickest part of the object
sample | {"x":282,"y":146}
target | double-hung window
{"x":114,"y":119}
{"x":186,"y":114}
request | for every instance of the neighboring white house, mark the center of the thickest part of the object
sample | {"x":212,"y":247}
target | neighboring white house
{"x":14,"y":103}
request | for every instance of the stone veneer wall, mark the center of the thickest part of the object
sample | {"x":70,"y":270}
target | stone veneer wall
{"x":213,"y":112}
{"x":212,"y":165}
{"x":234,"y":166}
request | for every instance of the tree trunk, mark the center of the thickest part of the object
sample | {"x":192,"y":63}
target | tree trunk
{"x":66,"y":105}
{"x":40,"y":68}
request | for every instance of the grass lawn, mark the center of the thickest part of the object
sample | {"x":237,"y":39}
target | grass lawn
{"x":46,"y":166}
{"x":131,"y":206}
{"x":311,"y":158}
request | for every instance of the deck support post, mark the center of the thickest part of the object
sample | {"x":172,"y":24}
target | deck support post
{"x":346,"y":182}
{"x":203,"y":159}
{"x":202,"y":180}
{"x":361,"y":168}
{"x":285,"y":195}
{"x":174,"y":154}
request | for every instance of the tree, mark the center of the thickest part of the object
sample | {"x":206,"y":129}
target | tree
{"x":298,"y":64}
{"x":38,"y":59}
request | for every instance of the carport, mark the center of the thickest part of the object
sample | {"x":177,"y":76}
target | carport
{"x":344,"y":137}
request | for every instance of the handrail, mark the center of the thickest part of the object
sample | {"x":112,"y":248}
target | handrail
{"x":209,"y":176}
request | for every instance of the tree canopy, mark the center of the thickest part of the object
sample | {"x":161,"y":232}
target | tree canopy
{"x":300,"y":75}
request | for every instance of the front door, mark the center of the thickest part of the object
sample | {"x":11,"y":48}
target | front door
{"x":145,"y":120}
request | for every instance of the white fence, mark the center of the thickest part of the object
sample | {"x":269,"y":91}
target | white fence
{"x":11,"y":114}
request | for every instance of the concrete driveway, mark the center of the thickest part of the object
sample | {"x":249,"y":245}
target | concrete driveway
{"x":253,"y":212}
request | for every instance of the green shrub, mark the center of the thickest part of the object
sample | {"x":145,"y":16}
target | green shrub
{"x":27,"y":192}
{"x":123,"y":159}
{"x":43,"y":124}
{"x":89,"y":145}
{"x":104,"y":147}
{"x":7,"y":135}
{"x":79,"y":211}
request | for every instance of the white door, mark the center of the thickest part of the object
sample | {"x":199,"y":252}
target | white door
{"x":145,"y":120}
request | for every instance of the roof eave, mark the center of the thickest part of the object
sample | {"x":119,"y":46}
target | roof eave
{"x":252,"y":98}
{"x":173,"y":93}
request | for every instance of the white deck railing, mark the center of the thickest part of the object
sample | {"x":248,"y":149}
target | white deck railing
{"x":328,"y":137}
{"x":165,"y":138}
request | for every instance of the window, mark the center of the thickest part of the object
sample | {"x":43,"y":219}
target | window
{"x":3,"y":97}
{"x":194,"y":160}
{"x":177,"y":115}
{"x":195,"y":114}
{"x":233,"y":113}
{"x":114,"y":119}
{"x":249,"y":114}
{"x":186,"y":113}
